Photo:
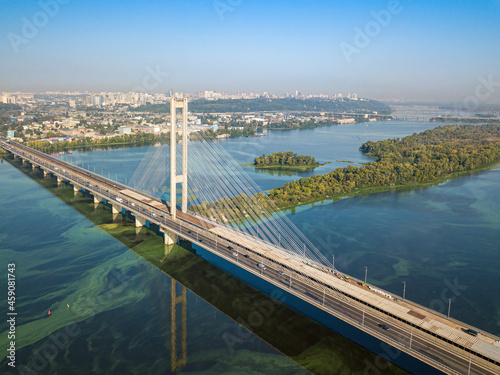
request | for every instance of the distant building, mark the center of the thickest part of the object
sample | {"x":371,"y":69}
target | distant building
{"x":347,"y":121}
{"x":98,"y":101}
{"x":124,"y":130}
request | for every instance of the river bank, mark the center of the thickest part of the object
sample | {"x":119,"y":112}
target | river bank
{"x":407,"y":163}
{"x":382,"y":189}
{"x":290,"y":168}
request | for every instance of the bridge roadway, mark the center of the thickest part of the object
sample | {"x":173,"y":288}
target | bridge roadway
{"x":423,"y":334}
{"x":414,"y":116}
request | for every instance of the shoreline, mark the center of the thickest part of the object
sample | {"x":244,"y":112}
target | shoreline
{"x":386,"y":188}
{"x":288,"y":168}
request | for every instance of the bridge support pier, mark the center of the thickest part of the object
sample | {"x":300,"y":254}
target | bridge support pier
{"x":169,"y":238}
{"x":140,"y":221}
{"x":59,"y":180}
{"x":76,"y":188}
{"x":33,"y":166}
{"x":45,"y":173}
{"x":97,"y":199}
{"x":115,"y":209}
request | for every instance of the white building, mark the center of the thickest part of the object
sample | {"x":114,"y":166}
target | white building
{"x":124,"y":130}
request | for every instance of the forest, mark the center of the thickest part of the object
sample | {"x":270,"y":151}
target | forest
{"x":284,"y":159}
{"x":138,"y":139}
{"x":411,"y":162}
{"x":208,"y":134}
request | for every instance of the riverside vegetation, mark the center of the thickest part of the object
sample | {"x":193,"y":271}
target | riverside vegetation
{"x":415,"y":161}
{"x":137,"y":139}
{"x":286,"y":161}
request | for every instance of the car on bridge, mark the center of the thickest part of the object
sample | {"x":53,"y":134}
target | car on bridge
{"x":384,"y":327}
{"x":471,"y":332}
{"x":261,"y":266}
{"x":280,"y":272}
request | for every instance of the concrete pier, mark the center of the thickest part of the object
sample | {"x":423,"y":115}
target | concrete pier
{"x":140,"y":221}
{"x":169,"y":238}
{"x":115,"y":209}
{"x":97,"y":198}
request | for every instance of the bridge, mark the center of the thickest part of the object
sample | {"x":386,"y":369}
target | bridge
{"x":337,"y":301}
{"x":415,"y":116}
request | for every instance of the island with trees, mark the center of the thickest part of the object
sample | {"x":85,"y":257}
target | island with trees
{"x":287,"y":161}
{"x":416,"y":161}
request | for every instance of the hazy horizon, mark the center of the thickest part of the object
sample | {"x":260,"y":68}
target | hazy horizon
{"x":420,"y":51}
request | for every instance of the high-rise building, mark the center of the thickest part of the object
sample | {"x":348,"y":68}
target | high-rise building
{"x":97,"y":101}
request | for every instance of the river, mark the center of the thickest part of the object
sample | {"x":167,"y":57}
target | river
{"x":443,"y":241}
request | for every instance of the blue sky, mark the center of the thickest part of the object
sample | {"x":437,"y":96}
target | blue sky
{"x":427,"y":50}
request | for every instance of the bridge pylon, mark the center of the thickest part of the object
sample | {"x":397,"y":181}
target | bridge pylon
{"x":174,"y":178}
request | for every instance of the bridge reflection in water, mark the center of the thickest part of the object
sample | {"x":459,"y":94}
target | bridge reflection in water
{"x":174,"y":301}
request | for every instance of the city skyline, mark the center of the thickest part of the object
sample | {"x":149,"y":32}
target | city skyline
{"x":425,"y":51}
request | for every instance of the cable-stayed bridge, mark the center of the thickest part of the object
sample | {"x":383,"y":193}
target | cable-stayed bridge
{"x":269,"y":252}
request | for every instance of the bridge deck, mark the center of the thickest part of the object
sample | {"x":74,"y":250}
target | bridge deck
{"x":412,"y":314}
{"x":145,"y":200}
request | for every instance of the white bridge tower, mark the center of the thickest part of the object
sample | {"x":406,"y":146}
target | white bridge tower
{"x":174,"y":178}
